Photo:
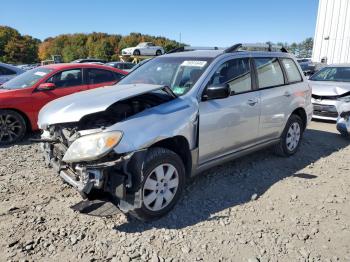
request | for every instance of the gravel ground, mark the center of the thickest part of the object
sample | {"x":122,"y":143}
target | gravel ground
{"x":257,"y":208}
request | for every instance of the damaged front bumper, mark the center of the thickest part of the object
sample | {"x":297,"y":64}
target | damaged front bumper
{"x":111,"y":177}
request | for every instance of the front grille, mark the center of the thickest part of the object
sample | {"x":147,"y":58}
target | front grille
{"x":325,"y":110}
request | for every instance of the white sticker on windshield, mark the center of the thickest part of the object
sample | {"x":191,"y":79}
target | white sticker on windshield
{"x":194,"y":63}
{"x":40,"y":73}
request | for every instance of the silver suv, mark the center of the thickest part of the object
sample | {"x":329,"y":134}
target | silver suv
{"x":173,"y":117}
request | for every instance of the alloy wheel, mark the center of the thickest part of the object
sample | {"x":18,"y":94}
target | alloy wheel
{"x":293,"y":136}
{"x":160,"y":187}
{"x":10,"y":128}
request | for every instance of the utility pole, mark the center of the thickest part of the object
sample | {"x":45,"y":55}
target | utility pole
{"x":180,"y":38}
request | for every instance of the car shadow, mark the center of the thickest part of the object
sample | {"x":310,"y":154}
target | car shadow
{"x":26,"y":140}
{"x":236,"y":182}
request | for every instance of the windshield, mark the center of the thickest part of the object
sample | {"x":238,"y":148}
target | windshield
{"x":27,"y":79}
{"x":178,"y":73}
{"x":337,"y":74}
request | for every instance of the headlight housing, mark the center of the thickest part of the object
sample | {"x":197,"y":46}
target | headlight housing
{"x":92,"y":147}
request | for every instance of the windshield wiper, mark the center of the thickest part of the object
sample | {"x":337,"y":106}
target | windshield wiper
{"x":169,"y":91}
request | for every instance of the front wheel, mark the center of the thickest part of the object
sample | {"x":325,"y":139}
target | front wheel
{"x":162,"y":185}
{"x":159,"y":52}
{"x":12,"y":127}
{"x":291,"y":137}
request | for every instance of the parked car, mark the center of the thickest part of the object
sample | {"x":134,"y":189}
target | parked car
{"x":8,"y":72}
{"x":126,"y":66}
{"x":172,"y":118}
{"x":330,"y":91}
{"x":89,"y":60}
{"x":146,"y":49}
{"x":22,"y":97}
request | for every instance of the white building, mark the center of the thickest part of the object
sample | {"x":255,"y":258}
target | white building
{"x":332,"y":34}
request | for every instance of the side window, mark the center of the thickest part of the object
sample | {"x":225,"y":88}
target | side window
{"x":118,"y":76}
{"x":97,"y":76}
{"x":67,"y":78}
{"x":269,"y":72}
{"x":6,"y":71}
{"x":292,"y":70}
{"x":236,"y":73}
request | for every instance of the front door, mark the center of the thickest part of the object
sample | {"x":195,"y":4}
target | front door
{"x":230,"y":124}
{"x":66,"y":82}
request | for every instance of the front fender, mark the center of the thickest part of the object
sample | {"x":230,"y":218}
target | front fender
{"x":175,"y":118}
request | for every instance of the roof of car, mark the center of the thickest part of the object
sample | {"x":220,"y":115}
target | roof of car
{"x":81,"y":65}
{"x":215,"y":53}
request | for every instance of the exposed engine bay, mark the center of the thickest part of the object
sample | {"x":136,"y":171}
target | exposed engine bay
{"x":122,"y":110}
{"x":110,"y":173}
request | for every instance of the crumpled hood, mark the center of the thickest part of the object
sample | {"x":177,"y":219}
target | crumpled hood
{"x":73,"y":107}
{"x":326,"y":88}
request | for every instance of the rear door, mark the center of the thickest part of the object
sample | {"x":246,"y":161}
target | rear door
{"x":231,"y":124}
{"x":97,"y":77}
{"x":276,"y":97}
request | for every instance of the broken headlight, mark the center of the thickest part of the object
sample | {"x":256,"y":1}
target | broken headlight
{"x":92,"y":147}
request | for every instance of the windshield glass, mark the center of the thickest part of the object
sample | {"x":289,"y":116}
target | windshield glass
{"x":27,"y":79}
{"x":338,"y":74}
{"x":178,"y":73}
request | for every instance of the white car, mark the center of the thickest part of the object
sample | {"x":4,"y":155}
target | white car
{"x":145,"y":48}
{"x":330,"y":91}
{"x":8,"y":72}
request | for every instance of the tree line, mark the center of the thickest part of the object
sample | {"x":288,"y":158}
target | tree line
{"x":18,"y":49}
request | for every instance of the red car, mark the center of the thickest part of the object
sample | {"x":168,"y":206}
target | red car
{"x":22,"y":97}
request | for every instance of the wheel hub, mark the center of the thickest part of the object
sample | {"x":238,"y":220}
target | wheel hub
{"x":293,"y":136}
{"x":160,"y":187}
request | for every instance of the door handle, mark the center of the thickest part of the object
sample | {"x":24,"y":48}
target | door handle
{"x":287,"y":94}
{"x":252,"y":101}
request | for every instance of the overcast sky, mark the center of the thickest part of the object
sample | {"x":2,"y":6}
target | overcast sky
{"x":201,"y":23}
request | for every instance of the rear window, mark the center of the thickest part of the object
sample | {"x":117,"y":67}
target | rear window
{"x":292,"y":70}
{"x":269,"y":72}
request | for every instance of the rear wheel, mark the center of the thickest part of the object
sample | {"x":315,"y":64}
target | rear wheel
{"x":159,"y":52}
{"x":291,"y":137}
{"x":163,"y":183}
{"x":136,"y":52}
{"x":12,"y":127}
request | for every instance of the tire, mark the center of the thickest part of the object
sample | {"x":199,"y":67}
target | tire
{"x":154,"y":191}
{"x":159,"y":52}
{"x":136,"y":52}
{"x":291,"y":137}
{"x":12,"y":127}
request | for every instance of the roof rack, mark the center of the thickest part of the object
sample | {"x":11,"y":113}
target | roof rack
{"x":268,"y":47}
{"x":192,"y":48}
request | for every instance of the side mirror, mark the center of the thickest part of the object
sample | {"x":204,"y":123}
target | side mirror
{"x":217,"y":92}
{"x":46,"y":86}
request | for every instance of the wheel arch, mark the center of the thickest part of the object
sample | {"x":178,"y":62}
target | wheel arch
{"x":302,"y":114}
{"x":180,"y":146}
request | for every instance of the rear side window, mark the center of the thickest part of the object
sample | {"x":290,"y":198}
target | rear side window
{"x":96,"y":76}
{"x":269,"y":72}
{"x":292,"y":70}
{"x":118,"y":76}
